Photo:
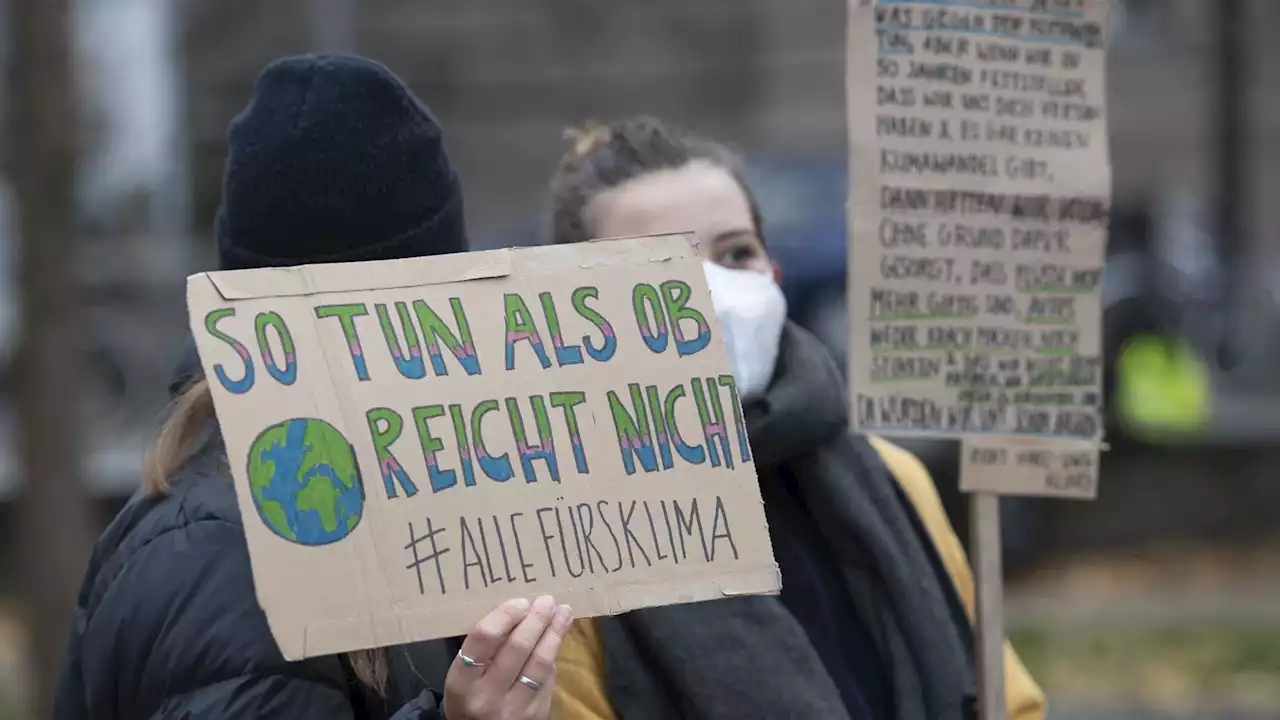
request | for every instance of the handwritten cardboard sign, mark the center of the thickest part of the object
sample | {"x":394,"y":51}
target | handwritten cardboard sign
{"x":979,"y":212}
{"x":413,"y":442}
{"x":1030,"y":466}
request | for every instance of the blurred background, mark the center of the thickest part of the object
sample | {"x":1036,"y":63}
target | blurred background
{"x":1159,"y":600}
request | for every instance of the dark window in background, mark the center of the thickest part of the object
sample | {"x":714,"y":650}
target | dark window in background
{"x":1154,"y":23}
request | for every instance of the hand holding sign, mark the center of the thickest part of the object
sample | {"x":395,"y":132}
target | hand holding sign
{"x":419,"y":439}
{"x":506,"y":667}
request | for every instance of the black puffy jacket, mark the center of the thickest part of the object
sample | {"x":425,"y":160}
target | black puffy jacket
{"x":167,"y":625}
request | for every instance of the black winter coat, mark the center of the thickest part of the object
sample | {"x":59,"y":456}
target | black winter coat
{"x":167,"y":625}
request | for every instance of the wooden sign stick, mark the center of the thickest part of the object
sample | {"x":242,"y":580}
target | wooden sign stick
{"x":984,"y":508}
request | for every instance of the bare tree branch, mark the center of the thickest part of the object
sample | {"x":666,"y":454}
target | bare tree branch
{"x":53,"y":513}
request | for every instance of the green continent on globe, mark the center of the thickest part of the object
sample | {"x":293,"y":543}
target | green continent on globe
{"x":261,"y":470}
{"x":305,"y":481}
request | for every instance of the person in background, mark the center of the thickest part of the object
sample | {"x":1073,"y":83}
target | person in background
{"x":333,"y":160}
{"x":874,"y":618}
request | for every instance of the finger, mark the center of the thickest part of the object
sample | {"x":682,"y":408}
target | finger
{"x":514,"y":653}
{"x":541,"y":706}
{"x":541,"y":666}
{"x":482,"y":643}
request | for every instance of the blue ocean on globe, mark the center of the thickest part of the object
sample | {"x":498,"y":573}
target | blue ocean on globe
{"x":305,"y":481}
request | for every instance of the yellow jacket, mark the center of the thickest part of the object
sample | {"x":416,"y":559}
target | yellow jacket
{"x":580,"y":684}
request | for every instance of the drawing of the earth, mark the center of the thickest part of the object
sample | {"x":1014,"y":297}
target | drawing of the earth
{"x":305,"y":481}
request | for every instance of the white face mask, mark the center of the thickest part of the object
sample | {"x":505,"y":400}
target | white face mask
{"x":752,"y":312}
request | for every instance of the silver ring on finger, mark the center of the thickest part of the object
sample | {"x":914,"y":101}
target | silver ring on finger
{"x":469,"y":661}
{"x":530,"y":683}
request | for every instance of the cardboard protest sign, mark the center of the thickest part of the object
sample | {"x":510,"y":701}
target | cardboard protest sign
{"x":1030,"y":466}
{"x":413,"y":442}
{"x":979,"y":208}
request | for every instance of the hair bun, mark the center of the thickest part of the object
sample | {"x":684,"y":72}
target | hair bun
{"x":588,"y":138}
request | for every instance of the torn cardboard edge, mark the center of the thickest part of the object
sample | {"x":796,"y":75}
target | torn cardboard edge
{"x":328,"y":638}
{"x":305,"y":280}
{"x":892,"y":432}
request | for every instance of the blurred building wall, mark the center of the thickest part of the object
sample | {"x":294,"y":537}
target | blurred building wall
{"x":507,"y":76}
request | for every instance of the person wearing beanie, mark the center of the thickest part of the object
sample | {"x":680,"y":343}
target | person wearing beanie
{"x":333,"y":160}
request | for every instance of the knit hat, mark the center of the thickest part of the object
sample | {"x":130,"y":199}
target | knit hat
{"x":335,"y":160}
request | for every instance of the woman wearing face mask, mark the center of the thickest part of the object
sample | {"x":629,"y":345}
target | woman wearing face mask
{"x":874,"y":616}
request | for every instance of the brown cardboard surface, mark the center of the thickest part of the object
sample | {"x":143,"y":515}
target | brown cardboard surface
{"x":978,"y":217}
{"x":1030,"y":467}
{"x":354,"y":548}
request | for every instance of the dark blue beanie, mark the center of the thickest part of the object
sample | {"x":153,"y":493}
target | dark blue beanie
{"x":335,"y":160}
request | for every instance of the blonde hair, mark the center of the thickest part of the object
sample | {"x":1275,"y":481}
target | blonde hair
{"x":176,"y":443}
{"x":587,"y":139}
